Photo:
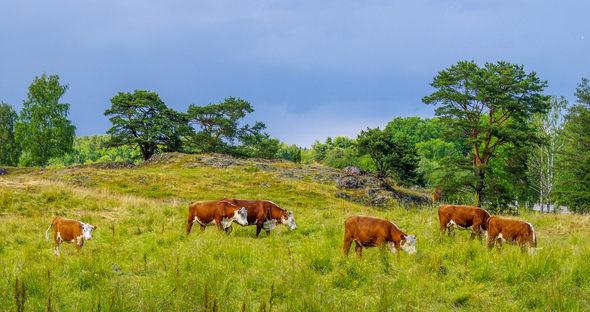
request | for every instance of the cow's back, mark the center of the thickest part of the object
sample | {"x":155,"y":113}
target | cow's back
{"x":465,"y":216}
{"x":68,"y":229}
{"x":256,"y":208}
{"x":367,"y":229}
{"x":204,"y":211}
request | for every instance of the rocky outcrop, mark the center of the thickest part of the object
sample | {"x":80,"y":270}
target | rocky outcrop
{"x":2,"y":171}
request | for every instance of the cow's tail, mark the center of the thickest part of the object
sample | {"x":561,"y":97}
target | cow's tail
{"x":46,"y":235}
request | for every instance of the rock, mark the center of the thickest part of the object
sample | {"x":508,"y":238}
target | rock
{"x":2,"y":171}
{"x":264,"y":185}
{"x":265,"y":167}
{"x":219,"y":165}
{"x":352,"y":171}
{"x":347,"y":182}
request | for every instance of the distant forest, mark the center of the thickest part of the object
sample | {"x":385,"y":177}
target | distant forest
{"x":496,"y":141}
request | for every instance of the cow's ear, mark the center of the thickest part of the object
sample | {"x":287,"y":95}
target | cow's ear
{"x":94,"y":227}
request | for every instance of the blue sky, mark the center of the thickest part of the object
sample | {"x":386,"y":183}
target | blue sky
{"x":311,"y":69}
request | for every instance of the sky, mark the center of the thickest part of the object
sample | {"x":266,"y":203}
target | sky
{"x":310,"y":69}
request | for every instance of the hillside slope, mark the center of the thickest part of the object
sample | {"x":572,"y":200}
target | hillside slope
{"x":141,"y":215}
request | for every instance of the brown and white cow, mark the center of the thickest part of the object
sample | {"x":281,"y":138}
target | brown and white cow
{"x":220,"y":213}
{"x":66,"y":230}
{"x":463,"y":218}
{"x":370,"y":232}
{"x":501,"y":230}
{"x":265,"y":214}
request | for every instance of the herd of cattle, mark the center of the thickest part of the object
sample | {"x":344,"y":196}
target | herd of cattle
{"x":365,"y":231}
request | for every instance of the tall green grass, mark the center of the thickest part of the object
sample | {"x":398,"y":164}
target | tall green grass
{"x":141,"y":218}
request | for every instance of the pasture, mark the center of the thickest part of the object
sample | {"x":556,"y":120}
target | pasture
{"x":141,"y":218}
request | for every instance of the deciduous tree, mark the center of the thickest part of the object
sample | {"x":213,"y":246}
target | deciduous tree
{"x":9,"y":148}
{"x":42,"y":127}
{"x":142,"y":121}
{"x":391,"y":157}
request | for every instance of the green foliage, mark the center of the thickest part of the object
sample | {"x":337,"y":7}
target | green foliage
{"x":142,"y":121}
{"x":297,"y":157}
{"x":41,"y":127}
{"x":488,"y":108}
{"x":219,"y":124}
{"x":9,"y":148}
{"x":390,"y":157}
{"x":574,"y":190}
{"x":94,"y":149}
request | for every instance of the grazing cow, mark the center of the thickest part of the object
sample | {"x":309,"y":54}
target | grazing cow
{"x":501,"y":230}
{"x":66,"y":230}
{"x":370,"y":232}
{"x":220,"y":213}
{"x":265,"y":214}
{"x":463,"y":218}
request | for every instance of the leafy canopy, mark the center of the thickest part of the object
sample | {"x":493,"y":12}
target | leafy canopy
{"x":9,"y":148}
{"x":488,"y":108}
{"x":575,"y":165}
{"x":42,"y":128}
{"x":391,"y":157}
{"x":142,"y":121}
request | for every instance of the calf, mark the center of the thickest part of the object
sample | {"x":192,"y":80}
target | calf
{"x":501,"y":230}
{"x":265,"y":214}
{"x":66,"y":230}
{"x":370,"y":232}
{"x":220,"y":213}
{"x":463,"y":218}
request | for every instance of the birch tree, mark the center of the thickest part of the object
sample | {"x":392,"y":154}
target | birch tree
{"x":542,"y":162}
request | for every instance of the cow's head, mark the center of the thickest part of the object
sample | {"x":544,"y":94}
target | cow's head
{"x":288,"y":220}
{"x":87,"y":230}
{"x":408,"y":243}
{"x":241,"y":216}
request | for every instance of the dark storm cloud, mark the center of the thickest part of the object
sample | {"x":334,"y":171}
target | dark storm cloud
{"x":311,"y":69}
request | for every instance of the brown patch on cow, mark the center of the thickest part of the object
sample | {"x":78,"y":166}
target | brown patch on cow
{"x":511,"y":230}
{"x":208,"y":211}
{"x":463,"y":216}
{"x":260,"y":211}
{"x":69,"y":231}
{"x":370,"y":232}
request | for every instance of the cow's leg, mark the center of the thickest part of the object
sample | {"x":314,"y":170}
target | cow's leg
{"x":359,"y":249}
{"x":57,"y":242}
{"x":347,"y":241}
{"x":78,"y":247}
{"x":202,"y":228}
{"x":476,"y":232}
{"x":189,"y":225}
{"x":259,"y":226}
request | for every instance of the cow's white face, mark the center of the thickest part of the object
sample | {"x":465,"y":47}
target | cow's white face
{"x":87,"y":230}
{"x":289,"y":220}
{"x":408,"y":244}
{"x":241,"y":216}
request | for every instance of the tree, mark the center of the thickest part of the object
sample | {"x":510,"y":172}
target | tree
{"x":142,"y":121}
{"x":391,"y":158}
{"x":297,"y":157}
{"x":543,"y":157}
{"x":9,"y":148}
{"x":221,"y":121}
{"x":574,"y":191}
{"x":42,"y":128}
{"x":488,"y":108}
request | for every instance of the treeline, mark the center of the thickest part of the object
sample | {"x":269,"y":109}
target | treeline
{"x":496,"y":140}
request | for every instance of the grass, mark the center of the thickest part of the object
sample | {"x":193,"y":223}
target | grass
{"x":141,"y":218}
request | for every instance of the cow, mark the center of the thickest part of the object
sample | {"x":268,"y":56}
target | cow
{"x":370,"y":232}
{"x":502,"y":230}
{"x":220,"y":213}
{"x":463,"y":218}
{"x":66,"y":230}
{"x":265,"y":214}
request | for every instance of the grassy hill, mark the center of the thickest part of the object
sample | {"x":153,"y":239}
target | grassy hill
{"x":141,"y":218}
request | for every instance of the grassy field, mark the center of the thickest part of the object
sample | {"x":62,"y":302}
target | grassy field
{"x":141,"y":218}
